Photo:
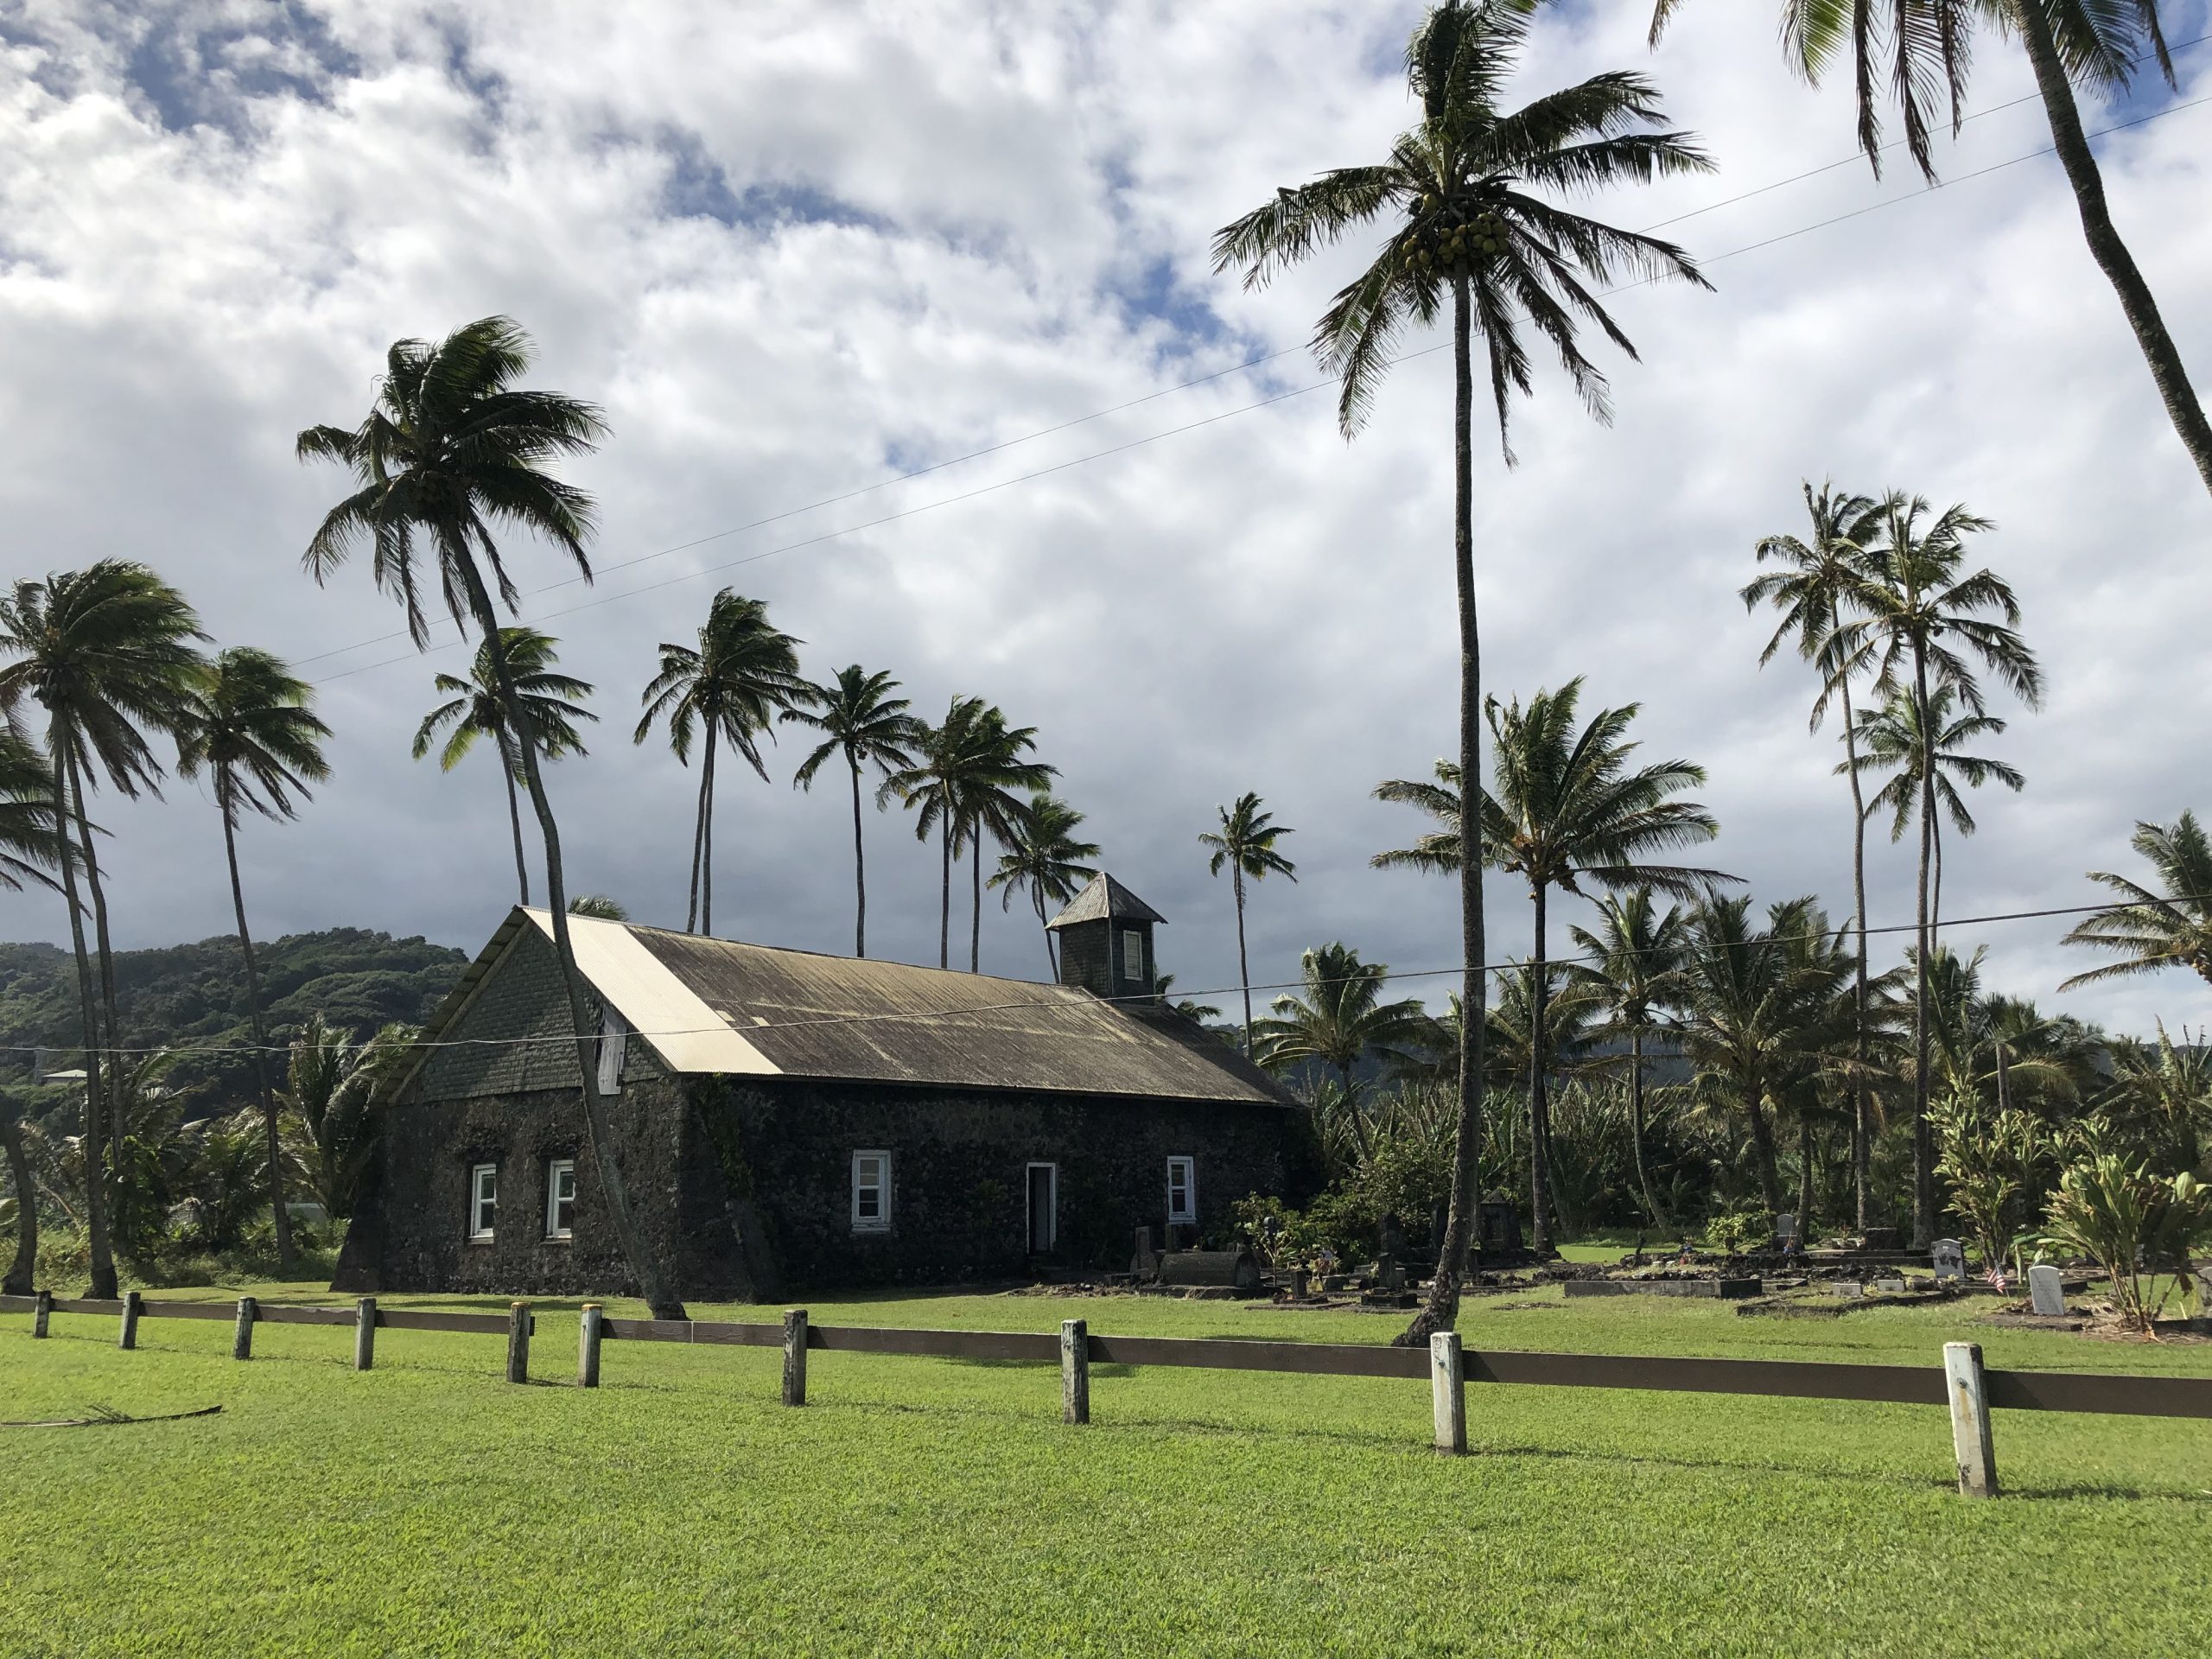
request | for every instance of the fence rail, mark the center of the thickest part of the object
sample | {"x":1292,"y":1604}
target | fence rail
{"x":1961,"y":1381}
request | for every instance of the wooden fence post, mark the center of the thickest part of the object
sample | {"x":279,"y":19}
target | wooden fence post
{"x":1970,"y":1437}
{"x":1447,"y":1383}
{"x":242,"y":1332}
{"x":129,"y":1338}
{"x":587,"y":1334}
{"x":794,"y":1356}
{"x":1074,"y":1371}
{"x":519,"y":1342}
{"x":365,"y":1333}
{"x":42,"y":1311}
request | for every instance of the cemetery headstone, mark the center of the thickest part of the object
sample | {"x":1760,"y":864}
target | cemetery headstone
{"x":1951,"y":1258}
{"x":2046,"y":1293}
{"x":1785,"y":1232}
{"x":1890,"y":1287}
{"x":1145,"y":1263}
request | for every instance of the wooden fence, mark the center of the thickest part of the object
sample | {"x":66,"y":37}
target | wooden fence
{"x":1961,"y":1381}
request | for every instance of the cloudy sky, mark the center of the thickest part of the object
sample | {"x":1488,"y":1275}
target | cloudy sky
{"x":800,"y":250}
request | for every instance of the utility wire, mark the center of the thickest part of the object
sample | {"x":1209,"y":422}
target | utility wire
{"x":1187,"y":386}
{"x":1842,"y":932}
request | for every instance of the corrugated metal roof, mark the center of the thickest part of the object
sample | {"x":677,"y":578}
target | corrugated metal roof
{"x":1105,"y":899}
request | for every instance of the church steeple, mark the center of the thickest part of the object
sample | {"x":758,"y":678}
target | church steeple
{"x":1105,"y":937}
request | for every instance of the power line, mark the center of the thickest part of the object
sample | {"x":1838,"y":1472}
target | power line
{"x":1510,"y":965}
{"x":1187,"y":386}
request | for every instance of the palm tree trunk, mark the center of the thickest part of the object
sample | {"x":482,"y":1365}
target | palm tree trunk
{"x":1540,"y":1197}
{"x":976,"y":914}
{"x":1805,"y":1193}
{"x":698,"y":854}
{"x":2111,"y":254}
{"x":707,"y":838}
{"x":110,"y":1020}
{"x":1243,"y":961}
{"x":945,"y":903}
{"x":280,"y":1218}
{"x":652,"y":1286}
{"x":1923,"y":1146}
{"x":1636,"y":1125}
{"x":1862,"y":1115}
{"x":66,"y":784}
{"x":860,"y":869}
{"x":1443,"y":1306}
{"x":24,"y":1270}
{"x":514,"y":817}
{"x":1764,"y":1163}
{"x":1036,"y":896}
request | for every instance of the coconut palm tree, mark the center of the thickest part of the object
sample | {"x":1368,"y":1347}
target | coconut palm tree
{"x":554,"y":702}
{"x":1810,"y":586}
{"x":1890,"y":739}
{"x":2167,"y":1086}
{"x":1468,"y":199}
{"x":1245,"y":846}
{"x":251,"y":729}
{"x":108,"y":653}
{"x":1339,"y":1021}
{"x":860,"y":719}
{"x":742,"y":674}
{"x":1045,"y":857}
{"x":1632,"y":964}
{"x":452,"y":446}
{"x":962,"y":784}
{"x":1202,"y":1013}
{"x":332,"y":1124}
{"x":1919,"y":618}
{"x":28,"y":846}
{"x":2152,"y":930}
{"x":22,"y":1271}
{"x":598,"y":907}
{"x":1919,"y":50}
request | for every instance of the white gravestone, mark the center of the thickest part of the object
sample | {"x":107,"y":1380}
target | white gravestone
{"x":1950,"y":1257}
{"x":1785,"y":1231}
{"x":2045,"y":1292}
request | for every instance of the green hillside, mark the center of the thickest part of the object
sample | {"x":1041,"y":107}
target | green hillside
{"x":195,"y":995}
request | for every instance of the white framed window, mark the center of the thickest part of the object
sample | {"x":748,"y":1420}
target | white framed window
{"x":613,"y":1048}
{"x":1182,"y":1189}
{"x":871,"y":1191}
{"x":1132,"y":953}
{"x":483,"y":1201}
{"x":561,"y":1198}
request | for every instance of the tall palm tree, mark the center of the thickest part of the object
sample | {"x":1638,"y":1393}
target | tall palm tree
{"x":1918,"y":49}
{"x":251,"y":728}
{"x":962,"y":784}
{"x":1920,"y":617}
{"x":1339,"y":1021}
{"x":2152,"y":930}
{"x":1468,"y":200}
{"x":1810,"y":586}
{"x":1045,"y":857}
{"x":452,"y":445}
{"x":330,"y":1088}
{"x":2167,"y":1086}
{"x":860,"y":719}
{"x":1567,"y":808}
{"x":105,"y":651}
{"x":1891,"y":741}
{"x":1631,"y":965}
{"x":28,"y":844}
{"x":1245,"y":846}
{"x":742,"y":674}
{"x":554,"y":702}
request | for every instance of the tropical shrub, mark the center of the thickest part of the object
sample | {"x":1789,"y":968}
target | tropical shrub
{"x":1993,"y":1164}
{"x":1735,"y":1231}
{"x":2137,"y":1227}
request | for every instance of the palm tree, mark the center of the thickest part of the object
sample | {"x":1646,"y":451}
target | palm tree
{"x":1045,"y":857}
{"x":104,"y":650}
{"x":28,"y":846}
{"x":553,"y":702}
{"x":1918,"y":620}
{"x":1162,"y":986}
{"x":961,"y":783}
{"x":22,"y":1272}
{"x":330,"y":1091}
{"x":743,"y":673}
{"x":1811,"y":586}
{"x":1893,"y":742}
{"x":2167,"y":1085}
{"x":1245,"y":843}
{"x":452,"y":445}
{"x":1341,"y":1020}
{"x":1631,"y":965}
{"x":251,"y":729}
{"x":860,"y":719}
{"x":1918,"y":49}
{"x":598,"y":907}
{"x":2153,"y":929}
{"x":1464,"y":196}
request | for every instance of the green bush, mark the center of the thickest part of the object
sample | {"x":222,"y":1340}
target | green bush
{"x":1736,"y":1232}
{"x":2139,"y":1227}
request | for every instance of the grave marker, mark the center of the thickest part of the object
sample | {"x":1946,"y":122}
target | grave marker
{"x":1785,"y":1232}
{"x":2046,"y":1291}
{"x":1951,"y":1258}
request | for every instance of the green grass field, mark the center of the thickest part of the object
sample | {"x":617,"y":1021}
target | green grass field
{"x":930,"y":1506}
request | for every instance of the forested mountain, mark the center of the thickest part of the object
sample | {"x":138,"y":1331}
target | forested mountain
{"x":195,"y":995}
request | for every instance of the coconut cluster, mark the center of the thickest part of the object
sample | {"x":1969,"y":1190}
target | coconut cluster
{"x":1453,"y":235}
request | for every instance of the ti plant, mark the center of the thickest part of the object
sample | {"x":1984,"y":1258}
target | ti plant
{"x":2137,"y":1227}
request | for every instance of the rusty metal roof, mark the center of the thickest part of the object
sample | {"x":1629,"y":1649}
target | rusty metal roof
{"x":1104,"y":899}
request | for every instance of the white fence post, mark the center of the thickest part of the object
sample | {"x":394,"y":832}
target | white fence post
{"x":1074,"y":1371}
{"x":1447,"y":1382}
{"x":588,"y":1335}
{"x":1970,"y":1436}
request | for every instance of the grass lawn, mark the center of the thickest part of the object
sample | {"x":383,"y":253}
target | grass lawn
{"x":931,"y":1506}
